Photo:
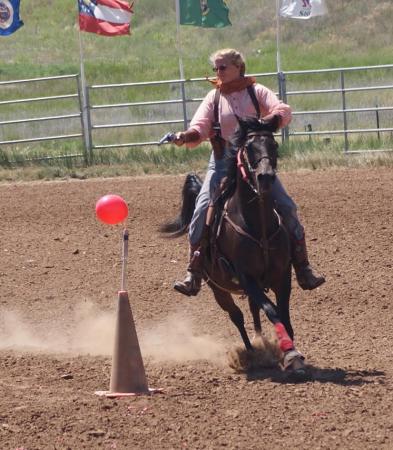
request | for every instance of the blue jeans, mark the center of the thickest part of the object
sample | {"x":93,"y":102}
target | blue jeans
{"x":215,"y":172}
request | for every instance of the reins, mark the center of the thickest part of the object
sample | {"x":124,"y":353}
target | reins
{"x":262,"y":243}
{"x":240,"y":165}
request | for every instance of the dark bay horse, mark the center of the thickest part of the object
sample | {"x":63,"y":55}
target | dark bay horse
{"x":248,"y":251}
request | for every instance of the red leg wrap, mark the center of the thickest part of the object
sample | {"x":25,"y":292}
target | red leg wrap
{"x":284,"y":340}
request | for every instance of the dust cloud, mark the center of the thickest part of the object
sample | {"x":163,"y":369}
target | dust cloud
{"x":176,"y":339}
{"x":91,"y":331}
{"x":88,"y":331}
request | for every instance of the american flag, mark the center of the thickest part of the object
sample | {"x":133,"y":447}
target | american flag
{"x":105,"y":17}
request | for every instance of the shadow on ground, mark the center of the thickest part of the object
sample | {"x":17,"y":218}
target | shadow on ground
{"x":337,"y":376}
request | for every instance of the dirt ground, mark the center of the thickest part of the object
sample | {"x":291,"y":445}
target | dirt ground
{"x":59,"y":277}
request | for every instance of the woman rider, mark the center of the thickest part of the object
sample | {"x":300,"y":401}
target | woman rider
{"x":234,"y":100}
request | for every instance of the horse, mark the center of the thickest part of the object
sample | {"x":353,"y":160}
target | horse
{"x":248,"y":250}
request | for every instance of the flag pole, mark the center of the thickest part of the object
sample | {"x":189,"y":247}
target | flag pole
{"x":178,"y":43}
{"x":280,"y":75}
{"x":181,"y":67}
{"x":85,"y":109}
{"x":278,"y":56}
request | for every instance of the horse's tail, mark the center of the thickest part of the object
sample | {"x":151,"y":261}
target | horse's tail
{"x":179,"y":225}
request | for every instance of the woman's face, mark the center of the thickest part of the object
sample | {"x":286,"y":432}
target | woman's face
{"x":226,"y":71}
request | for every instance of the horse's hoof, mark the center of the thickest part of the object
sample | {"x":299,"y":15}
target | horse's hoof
{"x":295,"y":367}
{"x":189,"y":291}
{"x":298,"y":375}
{"x":184,"y":291}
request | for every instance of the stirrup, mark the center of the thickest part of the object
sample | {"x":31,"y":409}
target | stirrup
{"x":190,"y":286}
{"x":307,"y":278}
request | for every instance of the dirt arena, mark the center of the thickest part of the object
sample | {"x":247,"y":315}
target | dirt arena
{"x":59,"y":276}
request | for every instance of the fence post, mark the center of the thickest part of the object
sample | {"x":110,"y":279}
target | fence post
{"x":308,"y":128}
{"x":184,"y":103}
{"x":282,"y":93}
{"x":78,"y":82}
{"x":85,"y":120}
{"x":377,"y":117}
{"x":88,"y":125}
{"x":344,"y":106}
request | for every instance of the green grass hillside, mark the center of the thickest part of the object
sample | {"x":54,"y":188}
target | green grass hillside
{"x":355,"y":32}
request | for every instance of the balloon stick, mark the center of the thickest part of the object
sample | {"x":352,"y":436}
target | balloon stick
{"x":124,"y":260}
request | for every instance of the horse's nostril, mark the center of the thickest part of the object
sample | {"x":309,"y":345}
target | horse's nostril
{"x":268,"y":176}
{"x":265,"y":180}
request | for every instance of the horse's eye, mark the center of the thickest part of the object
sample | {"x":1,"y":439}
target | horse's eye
{"x":254,"y":164}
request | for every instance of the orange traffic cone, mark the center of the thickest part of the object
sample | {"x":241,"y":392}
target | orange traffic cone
{"x":128,"y":373}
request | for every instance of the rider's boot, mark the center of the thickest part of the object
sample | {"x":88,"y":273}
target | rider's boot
{"x":306,"y":276}
{"x":191,"y":285}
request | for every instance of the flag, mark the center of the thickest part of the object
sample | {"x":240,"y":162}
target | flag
{"x":9,"y":17}
{"x":204,"y":13}
{"x":106,"y":17}
{"x":302,"y":9}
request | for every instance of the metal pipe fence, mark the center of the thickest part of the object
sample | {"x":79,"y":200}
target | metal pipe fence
{"x":281,"y":82}
{"x":44,"y":119}
{"x":122,"y":115}
{"x":344,"y":92}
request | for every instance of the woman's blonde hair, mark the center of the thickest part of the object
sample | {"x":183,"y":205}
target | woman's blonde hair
{"x":232,"y":55}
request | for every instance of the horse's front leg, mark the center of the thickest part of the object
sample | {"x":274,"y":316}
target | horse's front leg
{"x":255,"y":309}
{"x":293,"y":361}
{"x":226,"y":302}
{"x":258,"y":297}
{"x":283,"y":293}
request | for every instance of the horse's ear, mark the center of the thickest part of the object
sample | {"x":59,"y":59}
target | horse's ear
{"x":271,"y":123}
{"x":242,"y":123}
{"x":275,"y":123}
{"x":238,"y":137}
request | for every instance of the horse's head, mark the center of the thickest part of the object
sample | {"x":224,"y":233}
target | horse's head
{"x":257,"y":153}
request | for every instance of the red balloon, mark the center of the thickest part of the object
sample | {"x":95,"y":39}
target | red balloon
{"x":111,"y":209}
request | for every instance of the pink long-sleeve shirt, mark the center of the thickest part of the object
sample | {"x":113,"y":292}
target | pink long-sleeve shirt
{"x":238,"y":103}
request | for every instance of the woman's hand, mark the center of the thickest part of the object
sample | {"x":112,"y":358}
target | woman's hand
{"x":180,"y":139}
{"x":188,"y":136}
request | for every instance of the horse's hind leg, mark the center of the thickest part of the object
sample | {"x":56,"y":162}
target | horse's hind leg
{"x":255,"y":312}
{"x":225,"y":300}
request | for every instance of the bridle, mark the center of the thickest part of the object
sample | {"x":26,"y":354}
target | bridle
{"x":243,"y":162}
